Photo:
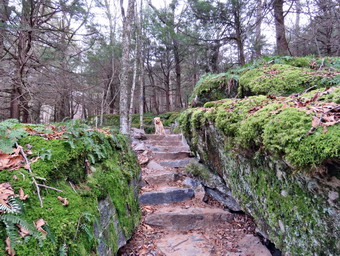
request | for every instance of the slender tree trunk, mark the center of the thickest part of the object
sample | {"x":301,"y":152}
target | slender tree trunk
{"x":238,"y":32}
{"x":141,"y":77}
{"x":15,"y":102}
{"x":134,"y":79}
{"x":258,"y":37}
{"x":178,"y":100}
{"x":281,"y":41}
{"x":123,"y":101}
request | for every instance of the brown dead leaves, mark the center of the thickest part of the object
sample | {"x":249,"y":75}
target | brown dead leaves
{"x":57,"y":132}
{"x":6,"y":191}
{"x":16,"y":160}
{"x":63,"y":200}
{"x":8,"y":248}
{"x":13,"y":161}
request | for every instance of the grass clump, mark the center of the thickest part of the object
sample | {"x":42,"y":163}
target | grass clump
{"x":198,"y":171}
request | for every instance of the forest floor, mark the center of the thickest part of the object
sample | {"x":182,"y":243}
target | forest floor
{"x":178,"y":218}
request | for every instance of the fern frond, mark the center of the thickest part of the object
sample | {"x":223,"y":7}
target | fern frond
{"x":11,"y":221}
{"x":15,"y":206}
{"x":50,"y":233}
{"x":88,"y":232}
{"x":62,"y":250}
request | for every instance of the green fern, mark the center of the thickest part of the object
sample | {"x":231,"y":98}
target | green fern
{"x":11,"y":221}
{"x":15,"y":206}
{"x":10,"y":132}
{"x":62,"y":250}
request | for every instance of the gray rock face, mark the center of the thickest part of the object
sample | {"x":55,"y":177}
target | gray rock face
{"x":225,"y":199}
{"x":139,"y":147}
{"x":175,"y":163}
{"x":191,"y":183}
{"x":168,"y":195}
{"x":250,"y":245}
{"x":108,"y":215}
{"x":152,"y":165}
{"x":288,"y":206}
{"x":138,"y":134}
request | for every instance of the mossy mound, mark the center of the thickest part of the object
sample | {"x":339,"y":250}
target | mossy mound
{"x":89,"y":166}
{"x":270,"y":75}
{"x":280,"y":157}
{"x":168,"y":119}
{"x":214,"y":87}
{"x":275,"y":125}
{"x":281,"y":79}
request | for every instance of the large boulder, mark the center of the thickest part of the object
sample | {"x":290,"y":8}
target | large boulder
{"x":280,"y":158}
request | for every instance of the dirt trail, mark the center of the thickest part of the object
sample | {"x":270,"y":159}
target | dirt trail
{"x":178,"y":219}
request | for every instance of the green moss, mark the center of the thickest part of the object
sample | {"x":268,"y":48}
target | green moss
{"x":291,"y":215}
{"x":114,"y":169}
{"x":276,"y":79}
{"x":261,"y":124}
{"x":214,"y":87}
{"x":198,"y":171}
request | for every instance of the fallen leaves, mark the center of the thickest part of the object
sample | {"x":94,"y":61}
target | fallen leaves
{"x":23,"y":232}
{"x":11,"y":162}
{"x":5,"y":191}
{"x":22,"y":195}
{"x":8,"y":248}
{"x":56,"y":132}
{"x":63,"y":200}
{"x":38,"y":224}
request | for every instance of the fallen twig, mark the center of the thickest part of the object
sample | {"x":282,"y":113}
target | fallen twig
{"x":73,"y":188}
{"x":44,"y":186}
{"x":30,"y":171}
{"x":37,"y":185}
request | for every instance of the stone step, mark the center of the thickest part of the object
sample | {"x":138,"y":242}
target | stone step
{"x":161,"y":178}
{"x":170,"y":155}
{"x":192,"y":244}
{"x":165,"y":143}
{"x":168,"y":148}
{"x":168,"y":137}
{"x":178,"y":219}
{"x":167,"y":195}
{"x":250,"y":245}
{"x":175,"y":163}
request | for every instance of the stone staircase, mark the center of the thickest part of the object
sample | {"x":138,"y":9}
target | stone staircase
{"x":176,"y":221}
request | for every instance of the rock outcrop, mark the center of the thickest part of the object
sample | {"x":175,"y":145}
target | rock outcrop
{"x":97,"y":174}
{"x":280,"y":158}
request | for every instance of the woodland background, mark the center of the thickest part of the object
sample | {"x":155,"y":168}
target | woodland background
{"x":69,"y":59}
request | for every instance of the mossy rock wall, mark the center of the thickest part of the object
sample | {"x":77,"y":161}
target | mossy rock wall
{"x":214,"y":87}
{"x":279,"y":172}
{"x":98,"y":174}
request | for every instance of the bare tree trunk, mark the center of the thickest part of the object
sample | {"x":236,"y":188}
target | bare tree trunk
{"x":238,"y":32}
{"x":281,"y":41}
{"x":141,"y":77}
{"x":134,"y":79}
{"x":15,"y":102}
{"x":258,"y":37}
{"x":123,"y":101}
{"x":178,"y":100}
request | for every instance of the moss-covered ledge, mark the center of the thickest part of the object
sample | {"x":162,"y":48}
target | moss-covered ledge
{"x":98,"y":174}
{"x":271,"y":75}
{"x":280,"y":157}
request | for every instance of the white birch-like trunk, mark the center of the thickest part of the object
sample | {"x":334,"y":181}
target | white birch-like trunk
{"x":123,"y":101}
